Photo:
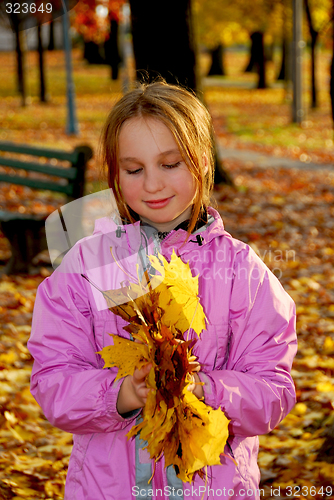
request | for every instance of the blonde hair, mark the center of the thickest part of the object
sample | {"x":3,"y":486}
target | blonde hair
{"x":188,"y":120}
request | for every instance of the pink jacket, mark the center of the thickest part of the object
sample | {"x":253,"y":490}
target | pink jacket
{"x":246,"y":355}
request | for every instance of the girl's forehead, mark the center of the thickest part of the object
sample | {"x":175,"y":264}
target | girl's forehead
{"x":146,"y":122}
{"x":145,"y":129}
{"x":140,"y":132}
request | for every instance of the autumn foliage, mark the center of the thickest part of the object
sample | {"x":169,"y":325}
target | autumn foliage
{"x":92,"y":26}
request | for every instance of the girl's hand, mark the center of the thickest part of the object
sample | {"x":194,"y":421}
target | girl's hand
{"x":133,"y":392}
{"x":196,"y":386}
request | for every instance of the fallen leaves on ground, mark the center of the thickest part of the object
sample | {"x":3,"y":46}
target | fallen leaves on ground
{"x":33,"y":455}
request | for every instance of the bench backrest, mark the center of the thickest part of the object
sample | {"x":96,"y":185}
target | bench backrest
{"x":75,"y":174}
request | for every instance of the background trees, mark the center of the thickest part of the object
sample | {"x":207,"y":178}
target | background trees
{"x":318,"y":15}
{"x":223,"y":23}
{"x":217,"y":26}
{"x":163,"y":41}
{"x":97,"y":22}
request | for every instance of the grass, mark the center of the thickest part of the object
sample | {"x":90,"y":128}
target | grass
{"x":255,"y":117}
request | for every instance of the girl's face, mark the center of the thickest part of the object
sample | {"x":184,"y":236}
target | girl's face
{"x":155,"y":181}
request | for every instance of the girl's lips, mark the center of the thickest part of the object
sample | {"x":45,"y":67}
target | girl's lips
{"x":158,"y":203}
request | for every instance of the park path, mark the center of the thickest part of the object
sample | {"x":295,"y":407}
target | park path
{"x":265,"y":160}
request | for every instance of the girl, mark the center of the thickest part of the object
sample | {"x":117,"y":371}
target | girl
{"x":157,"y":147}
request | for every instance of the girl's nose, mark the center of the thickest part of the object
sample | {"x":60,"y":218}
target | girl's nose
{"x":153,"y":180}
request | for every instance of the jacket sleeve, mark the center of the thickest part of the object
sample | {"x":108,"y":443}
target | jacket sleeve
{"x":256,"y":390}
{"x":67,"y":380}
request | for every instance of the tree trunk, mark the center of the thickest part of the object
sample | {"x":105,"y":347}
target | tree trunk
{"x":285,"y":68}
{"x":163,"y":41}
{"x":314,"y":102}
{"x":282,"y":73}
{"x":314,"y":37}
{"x":42,"y":92}
{"x":92,"y":53}
{"x":261,"y":65}
{"x":217,"y":61}
{"x":111,"y":50}
{"x":51,"y":45}
{"x":331,"y":89}
{"x":252,"y":55}
{"x":21,"y":81}
{"x":257,"y":59}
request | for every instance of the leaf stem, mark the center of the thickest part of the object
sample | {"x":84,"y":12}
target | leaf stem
{"x":105,"y":295}
{"x":117,"y":264}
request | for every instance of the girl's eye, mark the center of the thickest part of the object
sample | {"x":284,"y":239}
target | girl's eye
{"x":169,"y":166}
{"x":130,"y":172}
{"x":173,"y":165}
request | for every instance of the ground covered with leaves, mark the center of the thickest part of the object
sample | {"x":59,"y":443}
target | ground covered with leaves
{"x":286,"y":215}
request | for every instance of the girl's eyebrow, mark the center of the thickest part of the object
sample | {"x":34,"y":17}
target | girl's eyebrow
{"x":129,"y":159}
{"x":161,"y":155}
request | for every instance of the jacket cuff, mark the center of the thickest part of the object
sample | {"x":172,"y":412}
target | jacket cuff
{"x":208,"y":389}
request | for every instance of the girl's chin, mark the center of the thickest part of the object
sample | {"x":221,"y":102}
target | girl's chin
{"x":156,"y":220}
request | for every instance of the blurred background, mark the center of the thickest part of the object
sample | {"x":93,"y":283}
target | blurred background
{"x":265,"y":71}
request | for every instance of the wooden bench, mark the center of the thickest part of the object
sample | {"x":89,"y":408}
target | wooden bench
{"x":26,"y":232}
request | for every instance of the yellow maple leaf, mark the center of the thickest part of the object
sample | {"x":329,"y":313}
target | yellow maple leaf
{"x":165,"y":296}
{"x":202,"y":438}
{"x":184,"y":288}
{"x":126,"y":355}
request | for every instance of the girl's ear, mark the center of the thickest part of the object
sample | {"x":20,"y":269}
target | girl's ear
{"x":205,"y":163}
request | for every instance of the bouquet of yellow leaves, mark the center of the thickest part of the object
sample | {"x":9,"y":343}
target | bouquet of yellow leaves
{"x":189,"y":433}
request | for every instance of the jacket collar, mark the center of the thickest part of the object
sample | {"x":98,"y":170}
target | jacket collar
{"x":200,"y":237}
{"x":201,"y":221}
{"x":128,"y":234}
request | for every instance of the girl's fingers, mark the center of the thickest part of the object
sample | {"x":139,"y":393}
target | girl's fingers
{"x":146,"y":370}
{"x":139,"y":375}
{"x":192,"y":385}
{"x":195,"y":367}
{"x":143,"y":392}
